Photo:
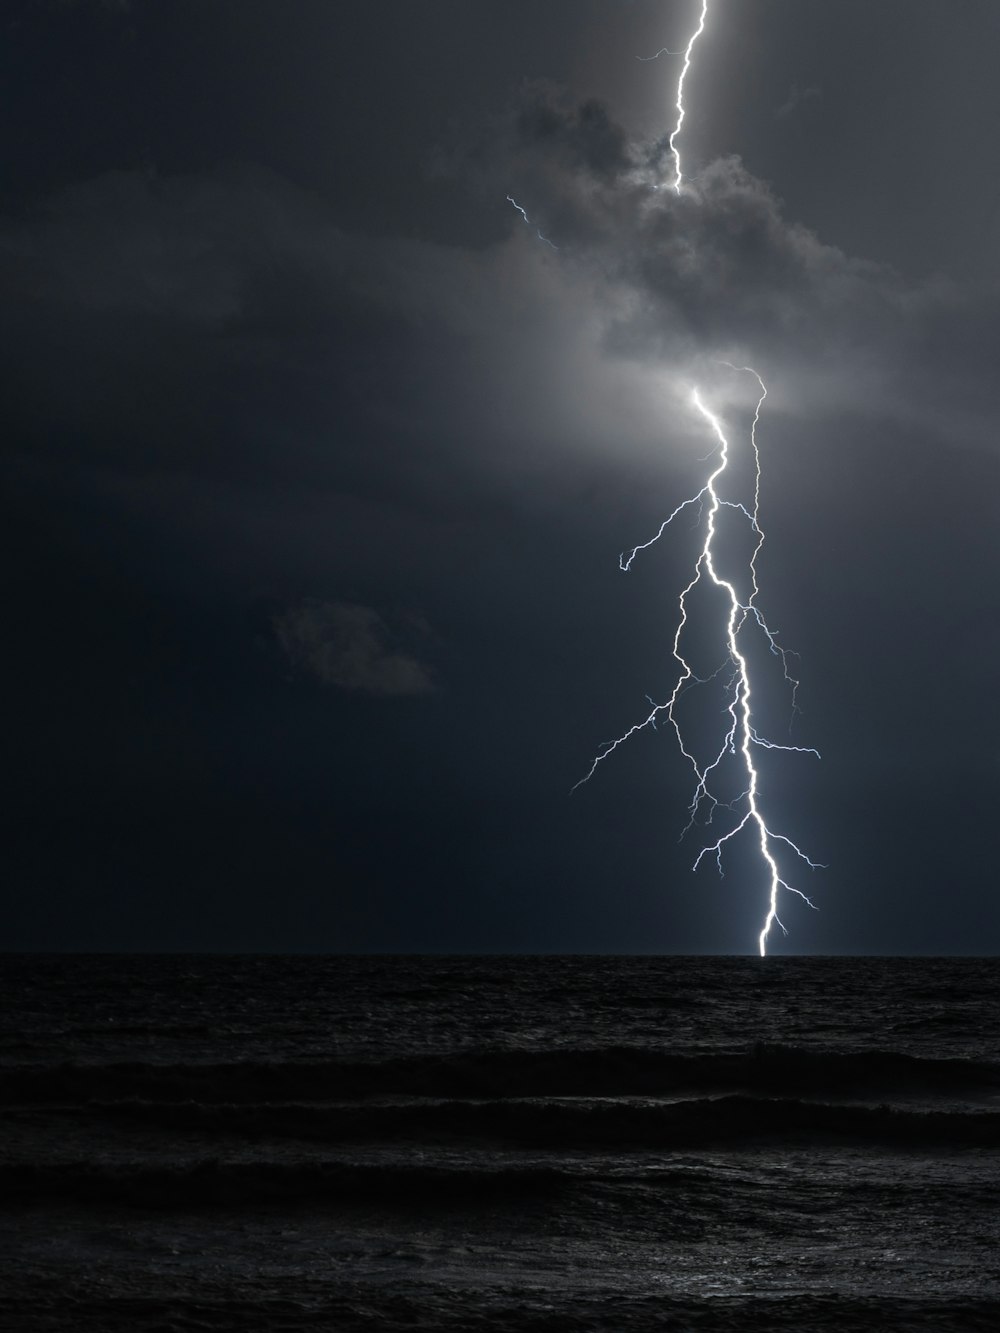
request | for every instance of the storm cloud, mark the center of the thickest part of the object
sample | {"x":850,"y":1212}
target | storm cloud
{"x":275,"y":338}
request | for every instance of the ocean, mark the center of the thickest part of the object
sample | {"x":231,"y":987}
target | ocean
{"x":498,"y":1143}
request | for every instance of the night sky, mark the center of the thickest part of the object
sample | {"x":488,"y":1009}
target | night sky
{"x":318,"y":464}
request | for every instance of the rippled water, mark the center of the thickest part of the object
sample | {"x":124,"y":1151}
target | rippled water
{"x":285,"y":1143}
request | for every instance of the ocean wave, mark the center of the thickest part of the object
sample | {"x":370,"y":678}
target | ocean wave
{"x":478,"y":1150}
{"x":604,"y":1071}
{"x":358,"y":1307}
{"x":539,"y":1123}
{"x":210,"y":1182}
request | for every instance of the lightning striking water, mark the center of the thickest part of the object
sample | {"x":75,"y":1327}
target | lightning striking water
{"x":740,"y":736}
{"x":680,"y":95}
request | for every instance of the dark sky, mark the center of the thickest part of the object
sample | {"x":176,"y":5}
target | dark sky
{"x":318,"y":463}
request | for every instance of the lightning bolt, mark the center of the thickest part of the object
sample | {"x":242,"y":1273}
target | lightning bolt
{"x":741,"y":736}
{"x":678,"y":176}
{"x":529,"y":222}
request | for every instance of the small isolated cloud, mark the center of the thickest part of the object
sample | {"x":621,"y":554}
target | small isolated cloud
{"x":796,"y":96}
{"x":350,"y":647}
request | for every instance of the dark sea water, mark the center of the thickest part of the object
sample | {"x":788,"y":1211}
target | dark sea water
{"x":285,"y":1143}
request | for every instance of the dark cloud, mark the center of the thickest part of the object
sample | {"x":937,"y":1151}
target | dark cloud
{"x":271,"y":328}
{"x":195,"y":249}
{"x":581,"y":137}
{"x":712,"y":265}
{"x":351,"y":648}
{"x":242,"y":285}
{"x":721,"y":271}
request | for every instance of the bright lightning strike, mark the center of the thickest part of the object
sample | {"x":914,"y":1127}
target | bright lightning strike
{"x":740,"y":736}
{"x":678,"y":177}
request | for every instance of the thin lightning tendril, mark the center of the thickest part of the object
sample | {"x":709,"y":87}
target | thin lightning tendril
{"x":530,"y":223}
{"x":751,"y":609}
{"x":741,"y":734}
{"x":663,"y":51}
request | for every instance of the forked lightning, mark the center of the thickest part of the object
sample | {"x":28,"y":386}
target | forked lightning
{"x":740,"y":736}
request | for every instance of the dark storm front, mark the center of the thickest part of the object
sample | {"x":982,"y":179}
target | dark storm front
{"x":296,"y":1142}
